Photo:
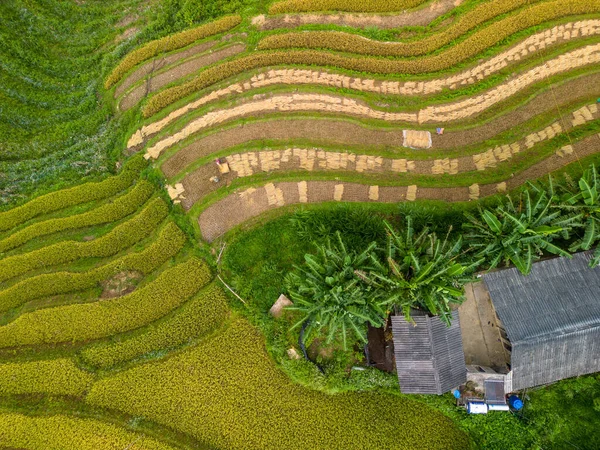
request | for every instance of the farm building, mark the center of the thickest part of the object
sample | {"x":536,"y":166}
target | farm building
{"x":551,"y":318}
{"x":429,"y":354}
{"x":525,"y":330}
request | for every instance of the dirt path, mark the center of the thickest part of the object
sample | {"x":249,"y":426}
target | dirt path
{"x":531,"y":45}
{"x":481,"y":337}
{"x":181,"y":70}
{"x":243,"y":205}
{"x":422,"y":16}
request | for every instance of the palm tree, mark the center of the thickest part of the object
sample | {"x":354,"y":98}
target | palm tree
{"x":422,"y":271}
{"x":330,"y":296}
{"x":520,"y":232}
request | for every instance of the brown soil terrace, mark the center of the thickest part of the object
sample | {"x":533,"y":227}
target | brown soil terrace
{"x":271,"y":77}
{"x":455,"y":111}
{"x":188,"y":67}
{"x":198,"y":184}
{"x":341,"y":132}
{"x":245,"y":204}
{"x":421,"y":16}
{"x":158,"y":63}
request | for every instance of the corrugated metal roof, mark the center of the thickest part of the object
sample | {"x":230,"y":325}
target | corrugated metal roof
{"x":429,"y":355}
{"x":551,"y":317}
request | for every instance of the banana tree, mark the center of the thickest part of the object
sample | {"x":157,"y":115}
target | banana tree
{"x":519,"y":232}
{"x":423,"y":271}
{"x":331,"y":296}
{"x":584,"y":198}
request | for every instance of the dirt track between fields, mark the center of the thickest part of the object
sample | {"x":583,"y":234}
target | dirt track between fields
{"x":245,"y":204}
{"x":158,"y":63}
{"x":422,"y":16}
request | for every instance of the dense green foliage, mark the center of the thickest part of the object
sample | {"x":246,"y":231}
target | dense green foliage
{"x":341,"y":292}
{"x":80,"y":322}
{"x":52,"y":377}
{"x":329,"y":293}
{"x":519,"y":230}
{"x":584,"y":198}
{"x":231,"y":395}
{"x":59,"y":432}
{"x":201,"y":314}
{"x":423,"y":271}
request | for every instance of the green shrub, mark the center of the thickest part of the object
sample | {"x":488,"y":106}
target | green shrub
{"x":231,"y":395}
{"x":468,"y":48}
{"x":82,"y":193}
{"x":168,"y":244}
{"x":119,"y":238}
{"x":80,"y":322}
{"x":53,"y":377}
{"x":115,"y":210}
{"x":291,"y":6}
{"x":205,"y":312}
{"x":170,"y":43}
{"x":61,"y":432}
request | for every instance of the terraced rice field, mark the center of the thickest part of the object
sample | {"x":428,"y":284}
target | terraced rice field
{"x":513,"y":84}
{"x":115,"y":331}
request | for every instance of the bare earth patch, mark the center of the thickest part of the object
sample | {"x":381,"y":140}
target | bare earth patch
{"x":120,"y":284}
